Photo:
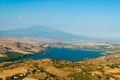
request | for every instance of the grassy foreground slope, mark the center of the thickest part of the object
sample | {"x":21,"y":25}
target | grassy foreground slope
{"x":103,"y":68}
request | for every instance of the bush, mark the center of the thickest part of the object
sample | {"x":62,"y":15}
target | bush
{"x":7,"y":64}
{"x":18,"y":77}
{"x":82,"y":76}
{"x":108,"y":76}
{"x":36,"y":65}
{"x":1,"y":79}
{"x":114,"y":66}
{"x":41,"y":69}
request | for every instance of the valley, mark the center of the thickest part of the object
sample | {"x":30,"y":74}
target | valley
{"x":101,"y":68}
{"x":10,"y":46}
{"x":59,"y":40}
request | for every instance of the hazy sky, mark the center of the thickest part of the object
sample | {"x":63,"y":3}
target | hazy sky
{"x":96,"y":18}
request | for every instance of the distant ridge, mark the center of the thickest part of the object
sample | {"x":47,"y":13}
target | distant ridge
{"x":43,"y":32}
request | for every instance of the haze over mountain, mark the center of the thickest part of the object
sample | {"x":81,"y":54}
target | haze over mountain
{"x":43,"y":32}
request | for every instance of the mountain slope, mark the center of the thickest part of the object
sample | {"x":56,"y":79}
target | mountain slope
{"x":43,"y":32}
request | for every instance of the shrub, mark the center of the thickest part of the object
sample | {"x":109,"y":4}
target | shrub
{"x":82,"y":76}
{"x":114,"y":66}
{"x":18,"y":77}
{"x":1,"y":79}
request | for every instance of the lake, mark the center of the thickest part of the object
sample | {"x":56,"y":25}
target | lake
{"x":63,"y":54}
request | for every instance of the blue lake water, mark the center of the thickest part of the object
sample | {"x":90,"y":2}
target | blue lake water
{"x":63,"y":54}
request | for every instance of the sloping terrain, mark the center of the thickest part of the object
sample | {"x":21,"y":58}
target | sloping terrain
{"x":103,"y":68}
{"x":11,"y":49}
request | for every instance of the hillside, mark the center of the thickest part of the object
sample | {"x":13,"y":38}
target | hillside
{"x":12,"y":48}
{"x":103,"y":68}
